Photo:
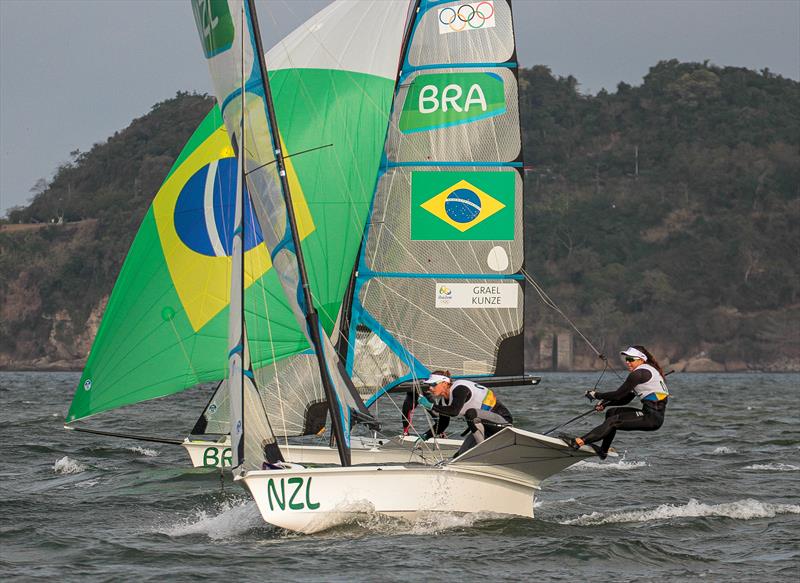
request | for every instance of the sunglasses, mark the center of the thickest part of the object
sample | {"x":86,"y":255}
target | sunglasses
{"x":631,"y":359}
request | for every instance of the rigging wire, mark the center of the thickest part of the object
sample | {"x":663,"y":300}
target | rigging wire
{"x":548,"y":301}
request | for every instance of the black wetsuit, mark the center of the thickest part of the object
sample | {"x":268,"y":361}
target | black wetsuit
{"x":459,"y":398}
{"x":649,"y":418}
{"x":482,"y":423}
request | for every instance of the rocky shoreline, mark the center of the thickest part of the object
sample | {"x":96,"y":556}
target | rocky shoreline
{"x":699,"y":364}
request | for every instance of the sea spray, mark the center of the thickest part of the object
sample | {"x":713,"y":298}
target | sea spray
{"x":224,"y":520}
{"x":145,"y":451}
{"x":621,"y":465}
{"x":746,"y":509}
{"x":774,"y":467}
{"x":67,"y":465}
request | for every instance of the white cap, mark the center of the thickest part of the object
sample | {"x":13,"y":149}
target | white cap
{"x":435,"y":379}
{"x":631,"y":351}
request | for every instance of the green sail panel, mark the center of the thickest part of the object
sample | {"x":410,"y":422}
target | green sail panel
{"x":165,"y":325}
{"x":344,"y":114}
{"x":332,"y":96}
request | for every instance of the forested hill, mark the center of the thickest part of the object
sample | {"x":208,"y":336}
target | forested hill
{"x":664,"y":214}
{"x":667,"y":214}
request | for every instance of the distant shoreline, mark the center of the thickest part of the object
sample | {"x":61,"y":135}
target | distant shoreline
{"x":749,"y":371}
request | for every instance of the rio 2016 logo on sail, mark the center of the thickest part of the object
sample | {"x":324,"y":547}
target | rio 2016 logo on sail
{"x":467,"y":16}
{"x":439,"y":100}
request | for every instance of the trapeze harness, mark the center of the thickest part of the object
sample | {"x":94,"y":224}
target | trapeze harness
{"x":484,"y":413}
{"x":646,"y":383}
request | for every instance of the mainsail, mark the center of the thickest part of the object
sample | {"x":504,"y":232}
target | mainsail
{"x":333,"y":109}
{"x":438,"y":280}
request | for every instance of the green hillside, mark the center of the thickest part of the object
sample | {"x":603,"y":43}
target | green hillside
{"x":664,"y":214}
{"x":668,"y":213}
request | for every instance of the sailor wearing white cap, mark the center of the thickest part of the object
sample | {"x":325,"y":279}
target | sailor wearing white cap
{"x":646,"y":381}
{"x":484,"y":413}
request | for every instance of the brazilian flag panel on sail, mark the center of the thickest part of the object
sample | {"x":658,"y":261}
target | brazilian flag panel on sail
{"x":165,"y":326}
{"x":462,"y":206}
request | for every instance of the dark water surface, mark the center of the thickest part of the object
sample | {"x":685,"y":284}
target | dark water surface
{"x":714,"y":496}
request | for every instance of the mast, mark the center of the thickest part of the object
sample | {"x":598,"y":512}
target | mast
{"x":312,"y":318}
{"x":236,"y":329}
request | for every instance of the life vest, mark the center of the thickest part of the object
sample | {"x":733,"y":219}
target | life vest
{"x":480,"y":397}
{"x":653,"y":390}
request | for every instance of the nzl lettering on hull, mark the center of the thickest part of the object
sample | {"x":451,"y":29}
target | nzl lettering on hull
{"x":296,"y":488}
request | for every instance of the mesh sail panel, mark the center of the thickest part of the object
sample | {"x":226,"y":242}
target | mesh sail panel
{"x":291,"y":393}
{"x":460,"y":32}
{"x":376,"y":365}
{"x":427,"y":124}
{"x":391,"y":249}
{"x":258,"y":435}
{"x":218,"y":413}
{"x":463,"y":340}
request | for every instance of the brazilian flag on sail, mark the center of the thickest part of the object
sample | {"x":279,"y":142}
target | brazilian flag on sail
{"x":166,"y":323}
{"x":462,"y":206}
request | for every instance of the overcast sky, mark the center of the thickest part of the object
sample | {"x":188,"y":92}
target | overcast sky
{"x":72,"y":72}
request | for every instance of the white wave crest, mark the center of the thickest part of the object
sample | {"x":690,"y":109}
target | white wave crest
{"x":428,"y":523}
{"x":621,"y":465}
{"x":537,"y":503}
{"x":723,"y":451}
{"x":363,"y":516}
{"x":228,"y":520}
{"x":747,"y":509}
{"x":145,"y":451}
{"x":774,"y":467}
{"x":67,"y":465}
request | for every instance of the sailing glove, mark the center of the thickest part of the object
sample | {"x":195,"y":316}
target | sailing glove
{"x":425,"y":403}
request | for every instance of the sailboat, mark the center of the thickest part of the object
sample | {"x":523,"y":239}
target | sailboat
{"x":165,"y":325}
{"x":435,"y":245}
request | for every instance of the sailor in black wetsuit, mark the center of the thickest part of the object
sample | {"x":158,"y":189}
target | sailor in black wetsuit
{"x":646,"y":381}
{"x":484,"y":413}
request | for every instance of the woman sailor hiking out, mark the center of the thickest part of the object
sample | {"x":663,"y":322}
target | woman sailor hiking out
{"x":646,"y":381}
{"x":484,"y":413}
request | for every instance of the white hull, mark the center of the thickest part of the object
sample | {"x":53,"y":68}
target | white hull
{"x":500,"y":476}
{"x":315,"y":499}
{"x":217,"y":454}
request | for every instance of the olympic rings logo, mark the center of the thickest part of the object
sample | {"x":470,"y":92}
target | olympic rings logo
{"x":473,"y":15}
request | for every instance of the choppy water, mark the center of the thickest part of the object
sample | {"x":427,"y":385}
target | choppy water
{"x":713,"y":495}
